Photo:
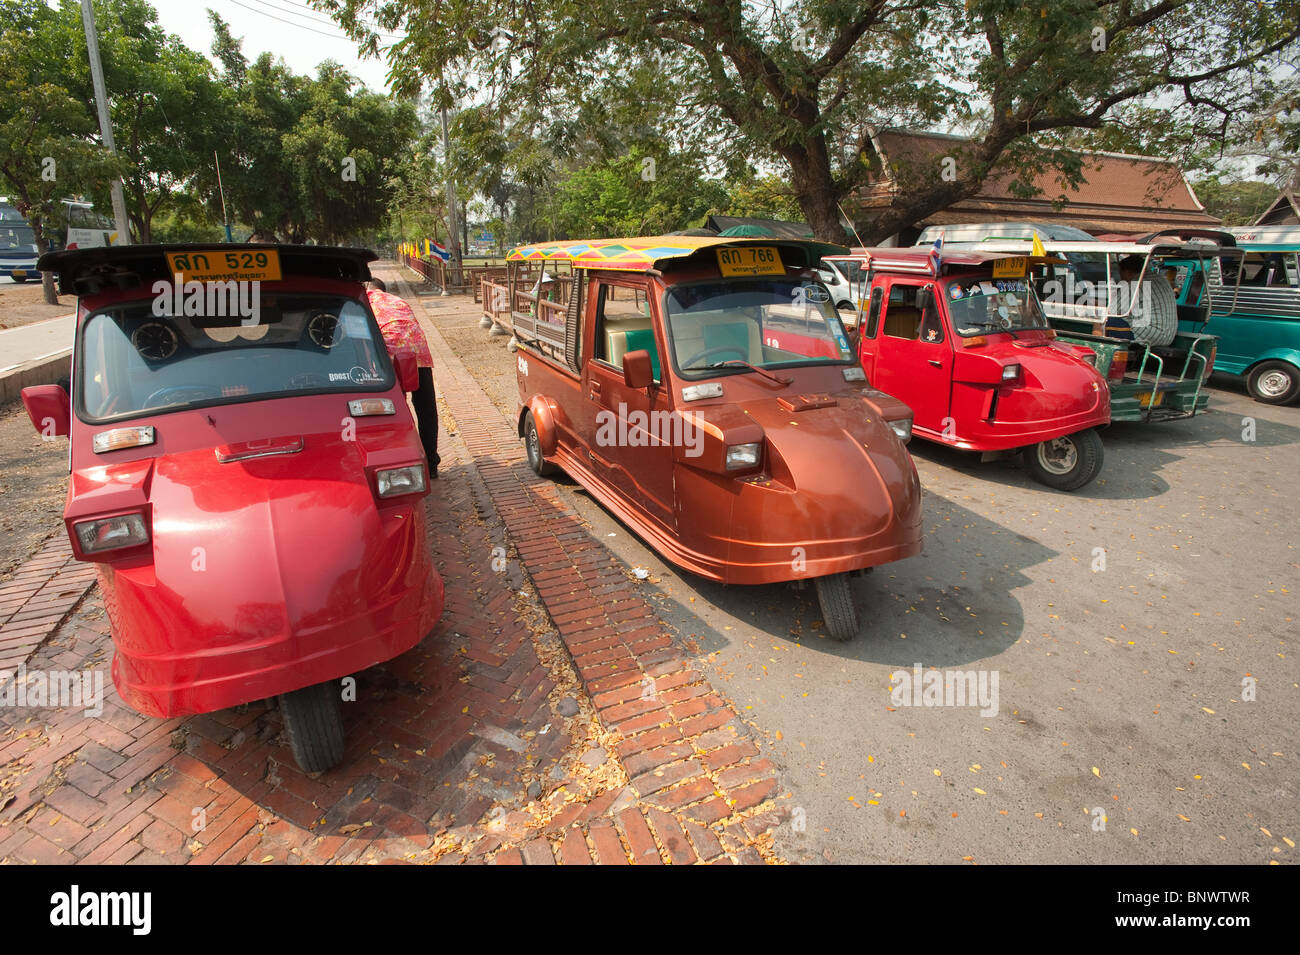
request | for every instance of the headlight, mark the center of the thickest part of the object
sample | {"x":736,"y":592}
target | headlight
{"x":1012,"y":372}
{"x":903,"y":428}
{"x":111,"y":533}
{"x":397,"y":481}
{"x":742,"y":456}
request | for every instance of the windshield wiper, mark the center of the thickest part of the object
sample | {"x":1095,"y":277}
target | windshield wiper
{"x":995,"y":326}
{"x":739,"y":361}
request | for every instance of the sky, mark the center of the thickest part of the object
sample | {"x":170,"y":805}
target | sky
{"x":287,"y":28}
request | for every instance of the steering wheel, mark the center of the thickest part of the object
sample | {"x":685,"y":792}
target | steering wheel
{"x":179,"y":394}
{"x":741,"y":353}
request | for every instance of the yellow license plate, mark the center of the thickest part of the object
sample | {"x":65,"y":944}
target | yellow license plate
{"x":750,"y":260}
{"x":219,"y":265}
{"x":1010,"y":268}
{"x":1146,"y":401}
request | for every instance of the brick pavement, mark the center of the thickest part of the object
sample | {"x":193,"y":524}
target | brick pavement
{"x":548,"y":718}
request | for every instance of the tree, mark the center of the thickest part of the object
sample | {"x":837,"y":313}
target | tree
{"x":808,"y":84}
{"x":46,"y":146}
{"x":167,"y":110}
{"x":302,"y":157}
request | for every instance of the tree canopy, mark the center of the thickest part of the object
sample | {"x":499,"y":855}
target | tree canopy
{"x":804,"y":84}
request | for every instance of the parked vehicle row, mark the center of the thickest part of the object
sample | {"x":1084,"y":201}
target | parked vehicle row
{"x":247,"y":476}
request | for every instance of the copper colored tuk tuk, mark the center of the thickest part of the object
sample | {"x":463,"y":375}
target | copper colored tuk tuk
{"x":704,"y":391}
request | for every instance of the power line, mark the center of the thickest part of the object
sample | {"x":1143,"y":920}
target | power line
{"x":317,"y":16}
{"x":318,"y":19}
{"x":337,"y":35}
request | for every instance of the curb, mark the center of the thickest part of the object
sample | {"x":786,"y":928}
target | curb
{"x":46,"y":370}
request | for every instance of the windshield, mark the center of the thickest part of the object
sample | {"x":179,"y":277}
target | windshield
{"x":982,"y":305}
{"x":767,"y":323}
{"x":134,"y":362}
{"x":17,"y":235}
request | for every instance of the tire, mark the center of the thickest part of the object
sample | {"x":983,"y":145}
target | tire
{"x":1274,"y":382}
{"x":838,"y":613}
{"x":1159,"y":327}
{"x":1066,"y":463}
{"x":15,"y":278}
{"x":313,"y":719}
{"x":533,"y":446}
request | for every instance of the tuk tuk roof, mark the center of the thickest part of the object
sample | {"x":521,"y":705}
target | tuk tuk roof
{"x":1267,"y":238}
{"x":1014,"y":246}
{"x":88,"y":271}
{"x":646,"y":252}
{"x":920,"y":261}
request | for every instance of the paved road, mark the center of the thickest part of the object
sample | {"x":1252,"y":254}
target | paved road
{"x":38,"y":340}
{"x":1121,"y":621}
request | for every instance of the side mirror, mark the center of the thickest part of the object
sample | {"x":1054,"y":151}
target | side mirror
{"x":408,"y":371}
{"x":637,"y":371}
{"x":49,"y":408}
{"x":924,"y":298}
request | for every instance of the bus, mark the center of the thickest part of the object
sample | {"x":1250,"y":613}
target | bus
{"x":18,"y":252}
{"x":84,"y":228}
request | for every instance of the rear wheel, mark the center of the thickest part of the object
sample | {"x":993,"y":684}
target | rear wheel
{"x":313,"y":718}
{"x":1066,"y":463}
{"x":1274,"y":382}
{"x":838,"y":613}
{"x":533,"y":444}
{"x":19,"y":278}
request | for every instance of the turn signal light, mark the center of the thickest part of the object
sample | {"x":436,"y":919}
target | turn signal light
{"x":120,"y":438}
{"x":1118,"y":365}
{"x":370,"y":406}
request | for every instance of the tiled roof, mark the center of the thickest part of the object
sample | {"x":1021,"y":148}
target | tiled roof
{"x":1121,"y":193}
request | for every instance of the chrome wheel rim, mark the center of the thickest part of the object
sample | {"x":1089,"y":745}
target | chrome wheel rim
{"x":1058,"y":456}
{"x":1274,"y":384}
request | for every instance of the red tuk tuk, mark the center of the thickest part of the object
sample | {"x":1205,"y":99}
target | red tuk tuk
{"x":960,"y":337}
{"x":246,"y":474}
{"x":704,"y":391}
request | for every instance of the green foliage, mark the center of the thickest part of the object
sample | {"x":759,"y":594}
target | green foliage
{"x":806,"y":83}
{"x":1236,"y":203}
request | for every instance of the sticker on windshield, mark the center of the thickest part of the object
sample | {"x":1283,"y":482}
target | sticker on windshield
{"x":357,"y":375}
{"x":954,"y":291}
{"x":815,"y":294}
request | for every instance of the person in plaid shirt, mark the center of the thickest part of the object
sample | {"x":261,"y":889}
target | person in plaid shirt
{"x":402,"y":335}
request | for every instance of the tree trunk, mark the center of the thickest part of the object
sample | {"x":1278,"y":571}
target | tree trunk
{"x":815,"y":189}
{"x":42,"y":246}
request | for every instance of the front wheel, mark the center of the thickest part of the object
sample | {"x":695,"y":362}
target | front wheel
{"x":313,"y":718}
{"x":838,"y":613}
{"x":1066,"y":463}
{"x":1274,"y":382}
{"x":533,"y":444}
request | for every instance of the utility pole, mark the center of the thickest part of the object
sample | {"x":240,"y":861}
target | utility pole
{"x":105,"y":122}
{"x":225,"y":216}
{"x":453,"y":232}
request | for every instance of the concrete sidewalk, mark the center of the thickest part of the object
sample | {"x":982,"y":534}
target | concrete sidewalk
{"x":35,"y":354}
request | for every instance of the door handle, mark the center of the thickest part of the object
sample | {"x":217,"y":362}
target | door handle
{"x":935,"y":362}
